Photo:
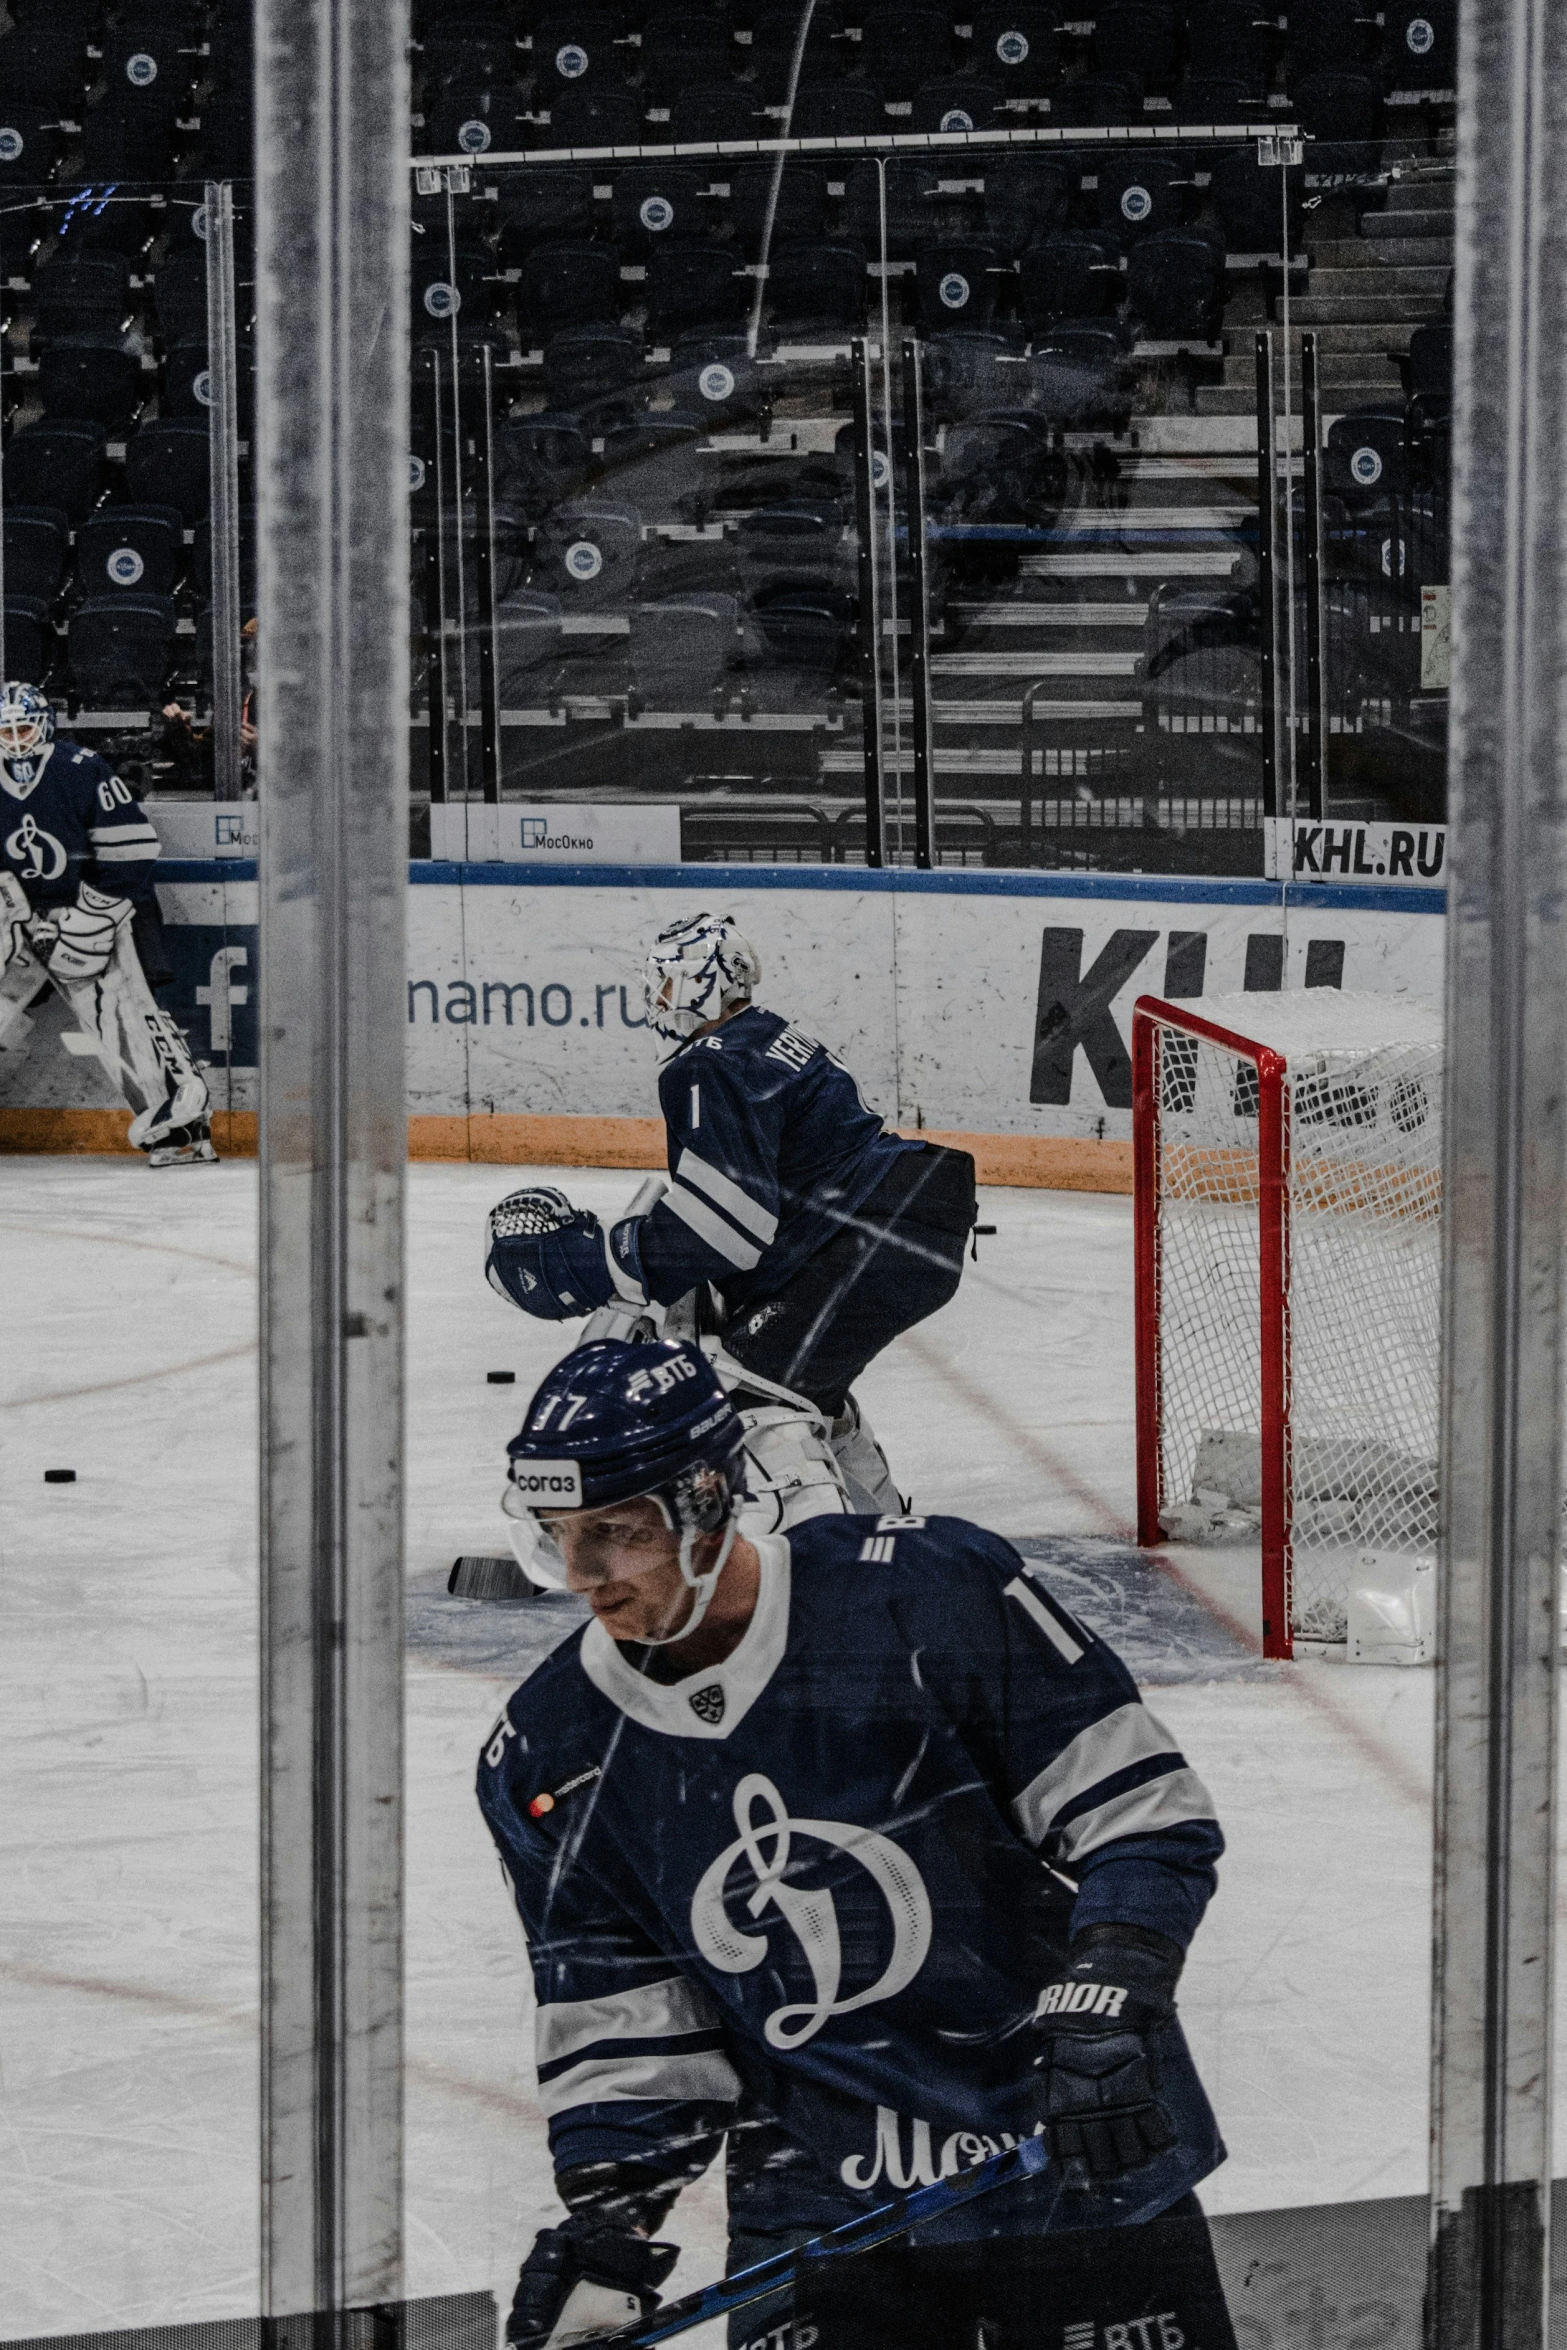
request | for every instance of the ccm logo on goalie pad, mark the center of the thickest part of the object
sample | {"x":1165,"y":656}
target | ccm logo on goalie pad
{"x":1081,"y":1999}
{"x":556,"y":1484}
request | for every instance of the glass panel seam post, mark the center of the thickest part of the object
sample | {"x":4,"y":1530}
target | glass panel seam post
{"x":332,"y":467}
{"x":484,"y":578}
{"x":223,"y":470}
{"x":919,"y":606}
{"x":1267,"y":581}
{"x":870,"y":605}
{"x":1311,"y":525}
{"x":1505,"y":1179}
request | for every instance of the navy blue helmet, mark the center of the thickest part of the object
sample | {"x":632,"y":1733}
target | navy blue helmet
{"x":613,"y":1421}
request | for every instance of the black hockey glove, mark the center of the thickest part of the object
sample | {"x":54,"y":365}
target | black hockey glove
{"x":589,"y":2276}
{"x":1100,"y":2076}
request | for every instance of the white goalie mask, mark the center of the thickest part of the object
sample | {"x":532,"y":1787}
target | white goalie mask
{"x":696,"y":970}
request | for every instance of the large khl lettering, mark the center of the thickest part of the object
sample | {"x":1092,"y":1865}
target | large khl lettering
{"x":766,"y":1839}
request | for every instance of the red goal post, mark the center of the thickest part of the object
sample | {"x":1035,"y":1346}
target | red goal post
{"x":1287,"y":1201}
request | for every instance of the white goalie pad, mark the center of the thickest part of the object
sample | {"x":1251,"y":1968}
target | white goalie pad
{"x":122,"y":1026}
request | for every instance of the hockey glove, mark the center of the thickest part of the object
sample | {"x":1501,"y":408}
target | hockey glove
{"x":547,"y":1256}
{"x":1098,"y":2066}
{"x":84,"y":936}
{"x":587,"y":2277}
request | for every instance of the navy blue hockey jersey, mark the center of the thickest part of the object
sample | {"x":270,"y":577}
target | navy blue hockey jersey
{"x":65,"y":817}
{"x":771,"y":1149}
{"x":810,"y":1897}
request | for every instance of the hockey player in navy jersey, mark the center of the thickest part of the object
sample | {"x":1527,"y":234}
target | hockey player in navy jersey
{"x":821,"y":1235}
{"x":76,"y":902}
{"x":853,"y":1853}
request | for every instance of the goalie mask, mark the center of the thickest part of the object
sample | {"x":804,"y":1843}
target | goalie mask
{"x":615,"y":1422}
{"x":26,"y":722}
{"x":696,"y":970}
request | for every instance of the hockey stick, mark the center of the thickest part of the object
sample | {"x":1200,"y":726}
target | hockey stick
{"x":856,"y":2235}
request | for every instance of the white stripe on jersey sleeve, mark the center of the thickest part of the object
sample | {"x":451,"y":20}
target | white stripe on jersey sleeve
{"x":1130,"y":1735}
{"x":1160,"y":1803}
{"x":726,"y":1194}
{"x":706,"y":2076}
{"x":120,"y":843}
{"x":1053,"y":1629}
{"x":710,"y":1227}
{"x":651,"y":2011}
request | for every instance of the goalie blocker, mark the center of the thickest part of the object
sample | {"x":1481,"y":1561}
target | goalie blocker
{"x":851,"y":1856}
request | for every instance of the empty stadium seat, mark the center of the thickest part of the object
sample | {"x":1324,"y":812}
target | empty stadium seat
{"x":41,"y":66}
{"x":586,"y":365}
{"x":1018,"y":47}
{"x":1138,"y":39}
{"x":470,"y":122}
{"x":1420,"y":39}
{"x":467,"y":53}
{"x":90,"y":375}
{"x":668,"y":570}
{"x":653,"y":463}
{"x":37,"y":550}
{"x":717,"y":111}
{"x":29,"y":142}
{"x":1097,"y":101}
{"x":956,"y":102}
{"x":682,"y":46}
{"x":972,"y":369}
{"x":30,"y":643}
{"x":1344,"y":109}
{"x":1364,"y":456}
{"x":806,"y":626}
{"x":799,"y":210}
{"x":585,"y":553}
{"x":682,"y":652}
{"x":1074,"y":273}
{"x":228,"y":134}
{"x":1431,"y":359}
{"x":1201,"y":658}
{"x":543,"y":204}
{"x":59,"y":463}
{"x":435,"y":297}
{"x":1025,"y":198}
{"x":1218,"y":98}
{"x":913,"y":208}
{"x":694,"y":283}
{"x":1175,"y":286}
{"x":775,"y":37}
{"x":582,"y":116}
{"x":656,"y":202}
{"x":569,"y":285}
{"x":129,"y":137}
{"x":959,"y":285}
{"x":1140,"y":194}
{"x":87,"y":294}
{"x":997,"y":469}
{"x":799,"y":538}
{"x":527,"y":648}
{"x":1328,"y":35}
{"x":122,"y":649}
{"x":130,"y":548}
{"x":821,"y":283}
{"x":180,"y":297}
{"x":901,"y":48}
{"x":541,"y":460}
{"x":576,"y":49}
{"x":1231,"y":39}
{"x":836,"y":110}
{"x":166,"y":465}
{"x":714,"y":377}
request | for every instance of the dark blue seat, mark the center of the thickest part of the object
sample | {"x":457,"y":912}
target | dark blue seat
{"x":166,"y":465}
{"x":1365,"y":453}
{"x":575,"y":49}
{"x":541,"y":460}
{"x":1140,"y":194}
{"x":1251,"y":205}
{"x":1420,"y":45}
{"x":122,"y":649}
{"x":180,"y":296}
{"x":714,"y":377}
{"x":654,"y":464}
{"x":30,"y":642}
{"x":1097,"y":101}
{"x":1026,"y":198}
{"x":1339,"y":107}
{"x":1140,"y":39}
{"x":956,"y":102}
{"x":29,"y":141}
{"x":821,"y":283}
{"x":657,"y":202}
{"x":775,"y":36}
{"x":1231,"y":39}
{"x":37,"y":549}
{"x":900,"y":48}
{"x":470,"y":121}
{"x":1328,"y":36}
{"x":959,"y":285}
{"x":544,"y":204}
{"x":90,"y":375}
{"x":584,"y":116}
{"x":717,"y":112}
{"x":569,"y":284}
{"x":682,"y":47}
{"x":527,"y":648}
{"x":1018,"y":47}
{"x":40,"y":66}
{"x":57,"y":463}
{"x":1431,"y":360}
{"x":586,"y":551}
{"x":799,"y":211}
{"x":691,"y":284}
{"x":126,"y":549}
{"x":793,"y":539}
{"x":1073,"y":273}
{"x":129,"y":137}
{"x":836,"y":110}
{"x":682,"y":652}
{"x":89,"y":293}
{"x":585,"y":366}
{"x":913,"y":211}
{"x":1175,"y":286}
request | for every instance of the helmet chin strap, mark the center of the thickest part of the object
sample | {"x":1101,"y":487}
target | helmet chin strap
{"x":701,"y":1587}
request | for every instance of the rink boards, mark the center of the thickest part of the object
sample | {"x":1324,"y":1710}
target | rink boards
{"x":993,"y":1006}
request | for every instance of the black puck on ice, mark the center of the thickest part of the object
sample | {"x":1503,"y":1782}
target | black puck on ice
{"x":500,"y":1378}
{"x":59,"y":1476}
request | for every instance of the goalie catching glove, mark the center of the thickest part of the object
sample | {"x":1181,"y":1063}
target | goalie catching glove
{"x":590,"y":2276}
{"x":1098,"y":2067}
{"x":84,"y":936}
{"x":557,"y":1261}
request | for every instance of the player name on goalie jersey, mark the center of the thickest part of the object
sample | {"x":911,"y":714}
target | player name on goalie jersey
{"x":810,"y":1896}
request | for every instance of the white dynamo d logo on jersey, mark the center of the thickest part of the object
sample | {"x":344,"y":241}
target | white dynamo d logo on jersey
{"x":766,"y":1837}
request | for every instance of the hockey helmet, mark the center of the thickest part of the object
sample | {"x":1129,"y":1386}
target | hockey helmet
{"x":696,"y":969}
{"x":615,"y":1422}
{"x":26,"y":720}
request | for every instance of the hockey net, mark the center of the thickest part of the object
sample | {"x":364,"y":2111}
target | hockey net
{"x":1288,"y":1156}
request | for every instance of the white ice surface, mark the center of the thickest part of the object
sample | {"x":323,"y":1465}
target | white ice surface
{"x":128,"y":1743}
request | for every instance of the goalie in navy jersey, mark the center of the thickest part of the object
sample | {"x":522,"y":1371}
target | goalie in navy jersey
{"x":854,"y":1854}
{"x":817,"y":1235}
{"x":78,"y":910}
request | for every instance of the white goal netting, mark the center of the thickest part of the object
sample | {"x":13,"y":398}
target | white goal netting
{"x":1360,"y":1163}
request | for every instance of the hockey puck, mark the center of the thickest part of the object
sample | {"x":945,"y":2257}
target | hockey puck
{"x":59,"y":1476}
{"x":500,"y":1378}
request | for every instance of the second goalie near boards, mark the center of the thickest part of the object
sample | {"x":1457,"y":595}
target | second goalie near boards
{"x":813,"y":1236}
{"x":854,"y":1854}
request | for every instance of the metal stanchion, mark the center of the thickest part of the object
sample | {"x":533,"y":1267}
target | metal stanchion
{"x":223,"y":505}
{"x":870,"y":607}
{"x":1267,"y":577}
{"x":332,"y":221}
{"x":1316,"y":631}
{"x":919,"y":607}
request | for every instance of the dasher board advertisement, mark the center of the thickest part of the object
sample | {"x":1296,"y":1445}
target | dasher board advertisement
{"x":1410,"y":854}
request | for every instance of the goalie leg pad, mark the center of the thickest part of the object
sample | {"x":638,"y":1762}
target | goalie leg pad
{"x":143,"y":1051}
{"x":863,"y":1465}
